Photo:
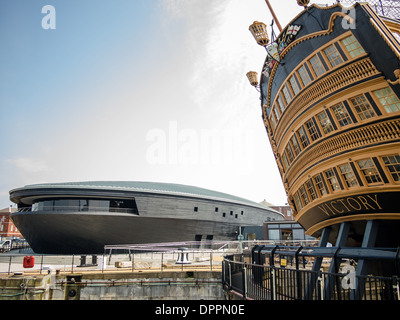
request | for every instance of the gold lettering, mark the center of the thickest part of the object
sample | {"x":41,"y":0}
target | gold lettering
{"x":376,"y":200}
{"x":359,"y":205}
{"x":335,"y":207}
{"x":324,"y":210}
{"x":342,"y":202}
{"x":365,"y":203}
{"x":330,"y":209}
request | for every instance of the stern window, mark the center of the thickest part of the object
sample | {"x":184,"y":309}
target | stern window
{"x":352,"y":46}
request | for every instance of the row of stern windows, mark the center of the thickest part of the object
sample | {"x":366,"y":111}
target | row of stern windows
{"x":327,"y":59}
{"x":370,"y":172}
{"x":364,"y":107}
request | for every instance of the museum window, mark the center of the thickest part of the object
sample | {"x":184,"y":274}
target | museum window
{"x":319,"y":183}
{"x":332,"y":180}
{"x":353,"y":47}
{"x":317,"y":66}
{"x":196,"y":209}
{"x":363,"y":107}
{"x":342,"y":115}
{"x":312,"y":130}
{"x":87,"y":205}
{"x":392,"y":163}
{"x":325,"y":122}
{"x":369,"y":171}
{"x":388,"y":99}
{"x":333,"y":56}
{"x":304,"y":76}
{"x":274,"y":234}
{"x":348,"y":175}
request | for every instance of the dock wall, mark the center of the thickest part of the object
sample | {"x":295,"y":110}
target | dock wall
{"x":170,"y":285}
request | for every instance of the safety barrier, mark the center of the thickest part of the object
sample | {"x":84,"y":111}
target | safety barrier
{"x":244,"y":279}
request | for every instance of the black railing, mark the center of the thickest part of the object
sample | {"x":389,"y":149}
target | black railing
{"x":8,"y":245}
{"x":245,"y":279}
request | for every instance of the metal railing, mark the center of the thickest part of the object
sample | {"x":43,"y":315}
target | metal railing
{"x":71,"y":264}
{"x":155,"y":256}
{"x":247,"y":277}
{"x":13,"y":245}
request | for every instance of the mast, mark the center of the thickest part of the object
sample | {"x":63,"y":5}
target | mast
{"x":274,"y":15}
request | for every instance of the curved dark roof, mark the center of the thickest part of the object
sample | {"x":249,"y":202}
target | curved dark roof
{"x":134,"y":186}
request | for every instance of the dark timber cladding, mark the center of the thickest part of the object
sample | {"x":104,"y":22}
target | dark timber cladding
{"x":83,"y":217}
{"x":330,"y":90}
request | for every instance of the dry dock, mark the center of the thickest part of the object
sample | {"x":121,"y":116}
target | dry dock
{"x":147,"y":276}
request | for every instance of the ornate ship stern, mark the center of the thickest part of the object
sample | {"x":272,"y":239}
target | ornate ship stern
{"x":330,"y":93}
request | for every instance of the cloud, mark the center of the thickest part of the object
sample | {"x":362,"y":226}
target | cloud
{"x":29,"y":165}
{"x":218,"y":50}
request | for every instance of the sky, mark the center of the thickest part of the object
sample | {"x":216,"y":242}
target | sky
{"x":135,"y":90}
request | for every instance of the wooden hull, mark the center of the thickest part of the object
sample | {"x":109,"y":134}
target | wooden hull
{"x":331,"y":109}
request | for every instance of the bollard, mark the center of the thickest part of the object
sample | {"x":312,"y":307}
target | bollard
{"x":183,"y":256}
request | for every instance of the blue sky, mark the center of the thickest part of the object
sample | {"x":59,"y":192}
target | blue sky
{"x":148,"y":90}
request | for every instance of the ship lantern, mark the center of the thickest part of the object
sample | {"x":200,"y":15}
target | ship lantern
{"x":303,"y":3}
{"x":259,"y":32}
{"x":253,"y":78}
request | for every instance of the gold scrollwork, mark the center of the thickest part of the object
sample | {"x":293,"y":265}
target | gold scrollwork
{"x":397,"y":75}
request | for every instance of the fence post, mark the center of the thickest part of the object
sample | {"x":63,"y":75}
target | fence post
{"x":273,"y":284}
{"x":230,"y":274}
{"x":223,"y":272}
{"x":396,"y":289}
{"x":244,"y":279}
{"x":41,"y":265}
{"x":299,"y":285}
{"x":321,"y":285}
{"x":9,"y":265}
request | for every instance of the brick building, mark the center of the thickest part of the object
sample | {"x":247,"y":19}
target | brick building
{"x":285,"y":210}
{"x":7,"y":227}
